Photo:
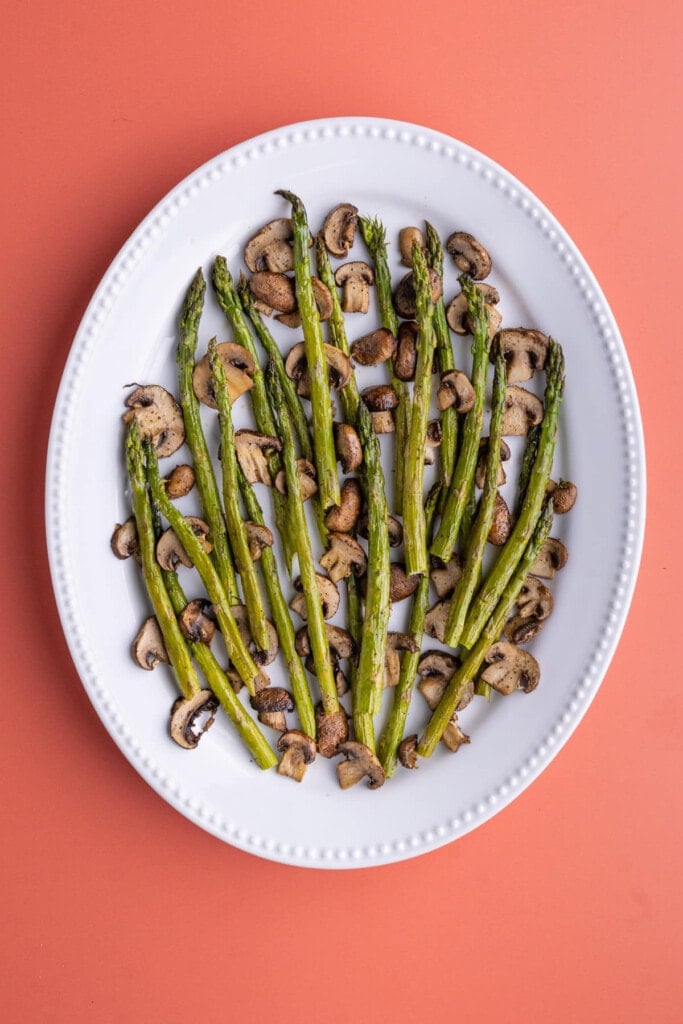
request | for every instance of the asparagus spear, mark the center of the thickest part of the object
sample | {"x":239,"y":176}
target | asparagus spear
{"x":253,"y":598}
{"x":504,"y":567}
{"x":463,"y":475}
{"x":414,"y":531}
{"x":281,"y":616}
{"x":444,"y":350}
{"x":196,"y":441}
{"x":471,"y":574}
{"x":321,"y":406}
{"x":176,"y":648}
{"x":297,"y":517}
{"x":488,"y":636}
{"x":350,"y":396}
{"x":528,"y":459}
{"x":375,"y":238}
{"x":250,"y":675}
{"x":369,"y":679}
{"x":227,"y":299}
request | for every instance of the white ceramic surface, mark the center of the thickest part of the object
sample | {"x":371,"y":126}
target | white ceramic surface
{"x":404,"y":174}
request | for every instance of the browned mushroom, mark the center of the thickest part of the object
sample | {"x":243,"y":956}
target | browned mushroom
{"x":306,"y":474}
{"x":453,"y":736}
{"x":522,"y":411}
{"x":405,"y":356}
{"x":392,"y":662}
{"x":501,"y":525}
{"x":524,"y":351}
{"x":520,"y":629}
{"x":340,"y":642}
{"x":455,"y":390}
{"x":402,"y":585}
{"x":298,"y":752}
{"x":259,"y":538}
{"x":260,"y":657}
{"x":343,"y":558}
{"x":407,"y":751}
{"x":196,"y":621}
{"x":270,"y":248}
{"x":510,"y":668}
{"x":339,"y":369}
{"x":271,"y":705}
{"x":381,"y":400}
{"x":159,"y":417}
{"x":148,"y":647}
{"x":480,"y":473}
{"x":348,"y":447}
{"x":124,"y":540}
{"x":534,"y":605}
{"x":404,"y":296}
{"x":332,"y":729}
{"x":550,"y":559}
{"x":323,"y":301}
{"x":192,"y":717}
{"x":435,"y":669}
{"x":564,"y":495}
{"x":359,"y":763}
{"x":170,"y":552}
{"x":469,"y":255}
{"x":436,"y":619}
{"x":239,"y":373}
{"x":457,"y":311}
{"x":393,"y":525}
{"x":374,"y":348}
{"x":252,"y":450}
{"x":445,"y":576}
{"x":179,"y":481}
{"x":342,"y":518}
{"x":339,"y":229}
{"x":355,"y":279}
{"x":273,"y":291}
{"x":328,"y":596}
{"x":407,"y":237}
{"x":433,"y":440}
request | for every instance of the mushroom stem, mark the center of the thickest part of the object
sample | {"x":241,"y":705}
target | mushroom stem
{"x":196,"y":441}
{"x":446,"y":360}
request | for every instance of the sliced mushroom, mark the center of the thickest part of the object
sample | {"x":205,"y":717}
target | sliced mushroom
{"x":405,"y":356}
{"x":374,"y":348}
{"x":159,"y":417}
{"x":124,"y":540}
{"x":392,"y":662}
{"x":270,"y":248}
{"x":522,"y":411}
{"x":435,"y":669}
{"x":501,"y":525}
{"x":436,"y":619}
{"x":170,"y":552}
{"x":272,"y":704}
{"x":407,"y":237}
{"x":510,"y":668}
{"x":550,"y":559}
{"x":445,"y":576}
{"x":308,"y":484}
{"x":323,"y":301}
{"x":148,"y":647}
{"x":273,"y":290}
{"x":252,"y":451}
{"x":260,"y":657}
{"x":381,"y":400}
{"x":340,"y":641}
{"x":521,"y":629}
{"x":534,"y":599}
{"x":457,"y":311}
{"x":339,"y":369}
{"x":179,"y":481}
{"x":196,"y":622}
{"x":339,"y":229}
{"x":453,"y":736}
{"x":344,"y":557}
{"x":402,"y":585}
{"x":332,"y":729}
{"x":259,"y":538}
{"x":393,"y":525}
{"x":404,"y":296}
{"x":455,"y":390}
{"x":239,"y":373}
{"x":524,"y":351}
{"x":355,"y":279}
{"x":469,"y":255}
{"x":433,"y":439}
{"x":359,"y":763}
{"x":480,"y":473}
{"x":298,"y":752}
{"x":342,"y":518}
{"x":328,"y":594}
{"x":407,"y":751}
{"x":191,"y":718}
{"x":348,"y":447}
{"x":564,"y":495}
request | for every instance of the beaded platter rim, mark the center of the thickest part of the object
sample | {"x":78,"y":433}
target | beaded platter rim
{"x":151,"y":230}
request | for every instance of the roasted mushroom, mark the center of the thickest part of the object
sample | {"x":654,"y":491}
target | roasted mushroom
{"x":407,"y":237}
{"x":339,"y":640}
{"x":510,"y":668}
{"x":272,"y":704}
{"x":480,"y":473}
{"x":258,"y":538}
{"x":252,"y":451}
{"x":405,"y":356}
{"x":453,"y":736}
{"x":355,"y":279}
{"x":550,"y":559}
{"x":381,"y":400}
{"x":436,"y":619}
{"x":332,"y":729}
{"x":393,"y":526}
{"x":522,"y":411}
{"x":501,"y":525}
{"x":445,"y":576}
{"x":359,"y":763}
{"x":433,"y":440}
{"x":435,"y":669}
{"x":148,"y":647}
{"x":260,"y":657}
{"x":298,"y":752}
{"x":273,"y":291}
{"x":170,"y":552}
{"x":392,"y":662}
{"x":339,"y":369}
{"x":342,"y":518}
{"x":239,"y":373}
{"x":196,"y":621}
{"x":124,"y":540}
{"x":348,"y":447}
{"x":401,"y":585}
{"x":524,"y":351}
{"x":191,"y":717}
{"x":469,"y":255}
{"x":455,"y":390}
{"x":179,"y":481}
{"x":457,"y":311}
{"x":564,"y":495}
{"x":328,"y":595}
{"x":159,"y":417}
{"x":407,"y":751}
{"x":323,"y":301}
{"x":339,"y":229}
{"x":374,"y":348}
{"x":305,"y":472}
{"x":404,"y":296}
{"x":344,"y":557}
{"x":271,"y":248}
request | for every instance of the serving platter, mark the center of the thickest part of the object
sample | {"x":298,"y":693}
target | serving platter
{"x":405,"y":174}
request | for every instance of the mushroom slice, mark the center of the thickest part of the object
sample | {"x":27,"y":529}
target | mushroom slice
{"x":457,"y":311}
{"x":406,"y":239}
{"x":522,"y":411}
{"x":159,"y":417}
{"x":564,"y":495}
{"x":305,"y":471}
{"x":274,"y":290}
{"x":239,"y":373}
{"x":550,"y":559}
{"x":348,"y":447}
{"x":355,"y":279}
{"x":404,"y":296}
{"x":524,"y":351}
{"x":343,"y":558}
{"x":124,"y":540}
{"x":339,"y":229}
{"x":501,"y":525}
{"x":455,"y":390}
{"x":453,"y":736}
{"x":323,"y":301}
{"x":359,"y":763}
{"x":520,"y":629}
{"x":148,"y":647}
{"x":480,"y":472}
{"x":436,"y":618}
{"x":263,"y":658}
{"x":342,"y":518}
{"x":407,"y":751}
{"x":258,"y":538}
{"x":405,"y":356}
{"x":329,"y":597}
{"x":393,"y":525}
{"x":444,"y":576}
{"x":374,"y":348}
{"x":433,"y":439}
{"x":469,"y":255}
{"x":534,"y":599}
{"x":270,"y":248}
{"x":381,"y":400}
{"x":179,"y":481}
{"x":340,"y":641}
{"x":196,"y":623}
{"x":392,"y":663}
{"x":401,"y":585}
{"x":252,"y":451}
{"x":271,"y":704}
{"x":510,"y":669}
{"x":170,"y":552}
{"x":190,"y":718}
{"x":332,"y":729}
{"x":435,"y":669}
{"x":298,"y":752}
{"x":339,"y":369}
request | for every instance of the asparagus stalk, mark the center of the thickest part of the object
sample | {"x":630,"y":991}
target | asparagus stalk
{"x":493,"y":585}
{"x":253,"y":598}
{"x":471,"y":574}
{"x":176,"y":648}
{"x":196,"y":441}
{"x":488,"y":636}
{"x":297,"y":517}
{"x":281,"y":617}
{"x":367,"y":696}
{"x":375,"y":238}
{"x":528,"y":459}
{"x":228,"y":300}
{"x":463,"y":475}
{"x":414,"y":530}
{"x":444,"y":350}
{"x":350,"y":396}
{"x":250,"y":675}
{"x":321,"y":406}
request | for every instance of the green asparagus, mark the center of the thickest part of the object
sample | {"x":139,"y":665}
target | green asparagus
{"x":444,"y":351}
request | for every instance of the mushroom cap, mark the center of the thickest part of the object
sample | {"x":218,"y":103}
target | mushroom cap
{"x":159,"y":417}
{"x":482,"y":458}
{"x":550,"y":559}
{"x":436,"y":619}
{"x":510,"y":668}
{"x":401,"y":584}
{"x":344,"y":557}
{"x":328,"y":594}
{"x":433,"y":439}
{"x":239,"y":373}
{"x":170,"y":552}
{"x":251,"y":448}
{"x":534,"y":599}
{"x":179,"y":481}
{"x":355,"y":270}
{"x":355,"y":279}
{"x":299,"y":751}
{"x":148,"y":647}
{"x":501,"y":525}
{"x":445,"y":576}
{"x":392,"y":663}
{"x":455,"y":390}
{"x":332,"y":729}
{"x":340,"y":641}
{"x":394,"y":526}
{"x":124,"y":539}
{"x":342,"y":518}
{"x":259,"y":537}
{"x":373,"y":348}
{"x":348,"y":447}
{"x":272,"y":698}
{"x":359,"y":763}
{"x":522,"y":411}
{"x":435,"y":669}
{"x":275,"y":290}
{"x":260,"y":657}
{"x":453,"y":736}
{"x":407,"y":751}
{"x":404,"y":295}
{"x":196,"y":621}
{"x":306,"y":474}
{"x":406,"y":239}
{"x":520,"y":629}
{"x":405,"y":356}
{"x":339,"y":229}
{"x":270,"y":248}
{"x":457,"y":310}
{"x":469,"y":255}
{"x":524,"y":351}
{"x":380,"y":398}
{"x":339,"y":369}
{"x":185,"y":715}
{"x":564,"y":495}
